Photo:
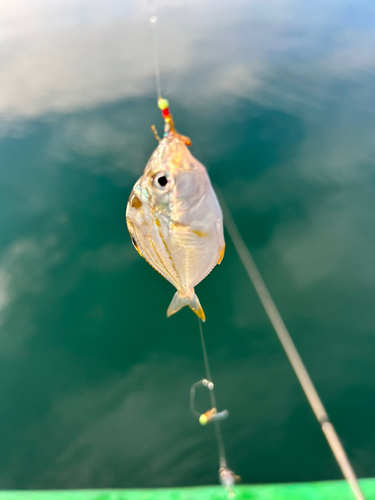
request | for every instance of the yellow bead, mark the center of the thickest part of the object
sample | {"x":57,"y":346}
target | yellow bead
{"x":203,"y":420}
{"x":163,"y":103}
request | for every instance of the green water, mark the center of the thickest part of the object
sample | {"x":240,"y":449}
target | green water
{"x":94,"y":379}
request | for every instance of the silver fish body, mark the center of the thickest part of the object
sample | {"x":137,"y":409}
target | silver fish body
{"x":175,"y":220}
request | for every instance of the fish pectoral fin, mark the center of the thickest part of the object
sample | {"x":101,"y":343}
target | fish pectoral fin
{"x":179,"y":301}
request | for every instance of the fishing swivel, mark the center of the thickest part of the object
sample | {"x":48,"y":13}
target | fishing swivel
{"x":209,"y":415}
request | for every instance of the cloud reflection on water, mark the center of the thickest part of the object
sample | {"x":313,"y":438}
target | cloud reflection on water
{"x":61,"y":56}
{"x":285,"y":123}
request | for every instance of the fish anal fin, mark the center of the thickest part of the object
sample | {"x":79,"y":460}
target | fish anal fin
{"x":179,"y":301}
{"x":222,"y":252}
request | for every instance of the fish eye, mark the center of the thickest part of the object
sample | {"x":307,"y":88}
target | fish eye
{"x":160,"y":180}
{"x":163,"y":181}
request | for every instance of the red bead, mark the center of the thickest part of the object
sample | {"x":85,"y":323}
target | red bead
{"x":165,"y":112}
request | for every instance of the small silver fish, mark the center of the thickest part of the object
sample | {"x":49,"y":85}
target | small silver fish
{"x":174,"y":218}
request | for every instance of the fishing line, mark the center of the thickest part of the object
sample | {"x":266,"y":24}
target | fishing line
{"x":219,"y":437}
{"x":227,"y":477}
{"x":155,"y":45}
{"x":291,"y":352}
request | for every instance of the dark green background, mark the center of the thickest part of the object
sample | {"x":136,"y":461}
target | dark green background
{"x":94,"y":379}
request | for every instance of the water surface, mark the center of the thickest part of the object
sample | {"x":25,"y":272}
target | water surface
{"x":94,"y":380}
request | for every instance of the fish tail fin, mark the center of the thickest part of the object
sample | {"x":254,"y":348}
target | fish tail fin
{"x":179,"y":301}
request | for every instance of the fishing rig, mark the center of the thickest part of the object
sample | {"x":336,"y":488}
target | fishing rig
{"x":227,"y":476}
{"x":210,"y":415}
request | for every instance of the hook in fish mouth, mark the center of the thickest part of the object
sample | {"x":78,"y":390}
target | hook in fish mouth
{"x":169,"y":127}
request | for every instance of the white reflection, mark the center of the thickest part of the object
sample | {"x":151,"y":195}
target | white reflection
{"x":109,"y":258}
{"x":60,"y":56}
{"x":140,"y":424}
{"x":94,"y":136}
{"x":25,"y":268}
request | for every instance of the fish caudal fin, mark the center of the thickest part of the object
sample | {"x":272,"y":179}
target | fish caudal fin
{"x":179,"y":301}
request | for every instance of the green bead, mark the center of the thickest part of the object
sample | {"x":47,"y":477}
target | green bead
{"x":203,"y":419}
{"x":163,"y":103}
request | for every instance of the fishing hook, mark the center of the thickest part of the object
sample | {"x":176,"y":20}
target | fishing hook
{"x":209,"y":415}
